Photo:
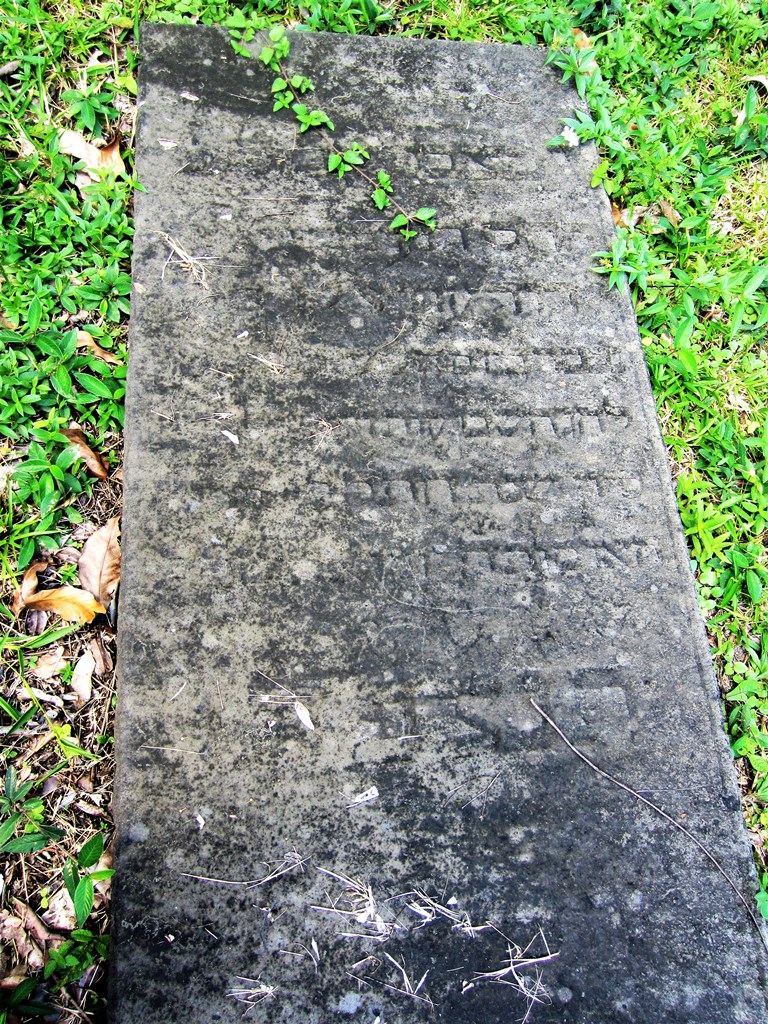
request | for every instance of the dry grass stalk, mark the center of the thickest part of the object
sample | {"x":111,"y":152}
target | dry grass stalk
{"x":257,"y":993}
{"x":408,"y":988}
{"x":194,"y":264}
{"x":520,"y":971}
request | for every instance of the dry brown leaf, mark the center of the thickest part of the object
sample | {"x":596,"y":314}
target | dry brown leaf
{"x":582,"y":42}
{"x":81,"y":678}
{"x":28,"y":586}
{"x":72,"y":604}
{"x":14,"y":978}
{"x":61,"y":912}
{"x":68,"y":554}
{"x":36,"y":622}
{"x":46,"y":698}
{"x":101,"y":656}
{"x":12,"y":931}
{"x":86,"y":340}
{"x":84,"y":530}
{"x":95,"y":159}
{"x":50,"y":664}
{"x":619,"y":216}
{"x":93,"y":461}
{"x":99,"y":564}
{"x":102,"y":887}
{"x":670,"y":213}
{"x":32,"y":923}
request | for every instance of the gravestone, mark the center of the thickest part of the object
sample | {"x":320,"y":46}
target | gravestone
{"x":381,"y":497}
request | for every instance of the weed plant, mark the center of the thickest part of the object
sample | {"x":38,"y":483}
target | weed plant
{"x":676,"y":100}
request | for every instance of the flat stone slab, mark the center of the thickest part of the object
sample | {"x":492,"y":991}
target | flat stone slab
{"x":412,"y":487}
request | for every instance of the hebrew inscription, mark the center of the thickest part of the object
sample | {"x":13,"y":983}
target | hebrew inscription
{"x":378,"y":498}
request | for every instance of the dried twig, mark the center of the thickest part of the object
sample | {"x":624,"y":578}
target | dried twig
{"x":321,"y":436}
{"x":275,"y":365}
{"x":258,"y":993}
{"x":194,"y":264}
{"x":654,"y":807}
{"x":428,"y":909}
{"x":510,"y":973}
{"x":409,"y":989}
{"x":292,"y":861}
{"x":356,"y":902}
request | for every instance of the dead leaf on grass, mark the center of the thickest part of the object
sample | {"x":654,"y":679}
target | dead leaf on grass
{"x":14,"y":978}
{"x":33,"y":924}
{"x":106,"y":159}
{"x":68,"y":555}
{"x":84,"y":530}
{"x":93,"y":461}
{"x":86,"y":340}
{"x":99,"y":564}
{"x":81,"y":678}
{"x":670,"y":213}
{"x":619,"y":216}
{"x":582,"y":42}
{"x":61,"y":912}
{"x":103,"y":886}
{"x":101,"y":656}
{"x":50,"y":664}
{"x":72,"y":604}
{"x":12,"y":932}
{"x":28,"y":586}
{"x":36,"y":622}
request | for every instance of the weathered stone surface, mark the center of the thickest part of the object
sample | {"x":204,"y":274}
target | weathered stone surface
{"x":451,"y":499}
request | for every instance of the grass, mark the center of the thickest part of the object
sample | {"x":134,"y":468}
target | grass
{"x":678,"y":107}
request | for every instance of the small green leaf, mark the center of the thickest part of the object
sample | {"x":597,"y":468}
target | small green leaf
{"x":71,"y":877}
{"x":276,"y":33}
{"x":279,"y":84}
{"x":399,"y":221}
{"x":380,"y":200}
{"x":384,"y":180}
{"x":754,"y":586}
{"x":35,"y":314}
{"x":689,"y":361}
{"x":83,"y":900}
{"x":62,"y":382}
{"x":425,"y":213}
{"x":266,"y":55}
{"x":91,"y":851}
{"x":8,"y":827}
{"x":27,"y":844}
{"x":334,"y":159}
{"x":10,"y":784}
{"x":94,"y":385}
{"x":599,"y":174}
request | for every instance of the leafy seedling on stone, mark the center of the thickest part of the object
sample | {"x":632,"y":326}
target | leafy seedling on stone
{"x":288,"y":92}
{"x":80,"y":886}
